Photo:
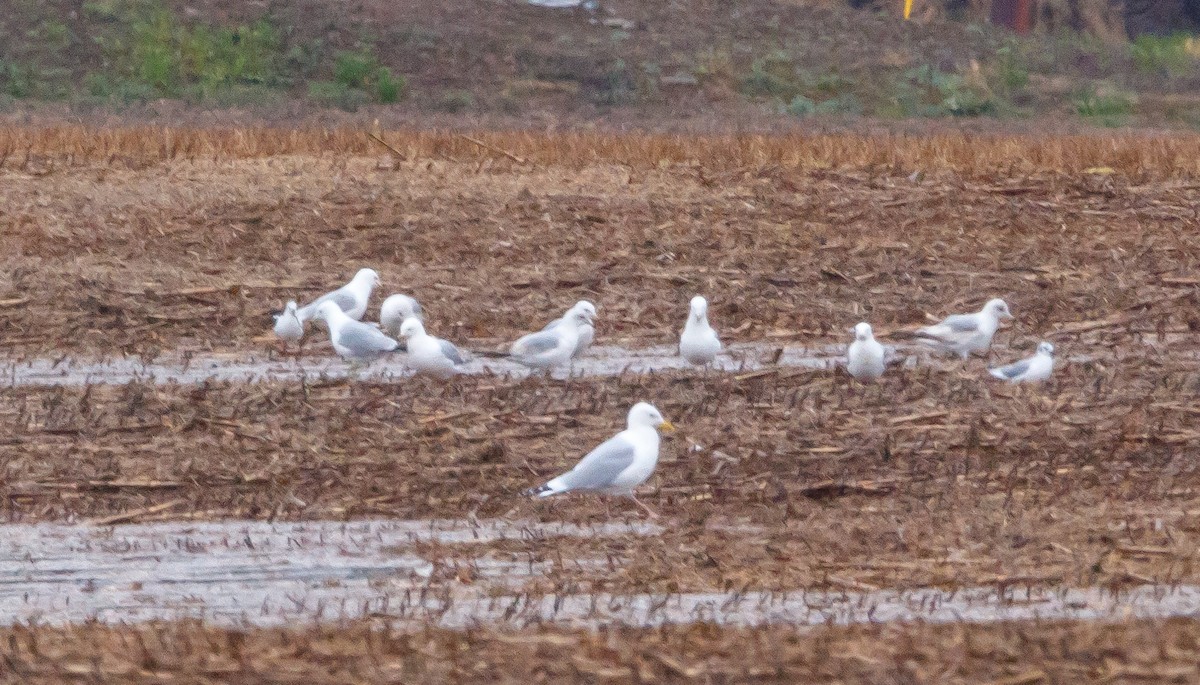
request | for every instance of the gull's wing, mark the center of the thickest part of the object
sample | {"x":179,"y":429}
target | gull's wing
{"x":601,"y":466}
{"x":341,"y":297}
{"x":536,"y":343}
{"x":553,"y":324}
{"x":362,"y":338}
{"x":961,"y":323}
{"x":1011,"y":371}
{"x":450,"y":351}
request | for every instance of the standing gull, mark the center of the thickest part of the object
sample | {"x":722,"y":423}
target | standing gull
{"x":548,"y":348}
{"x":351,"y":298}
{"x":619,"y":464}
{"x":699,"y":343}
{"x":1032,"y":369}
{"x":395,"y":309}
{"x":288,"y":327}
{"x":427,"y":354}
{"x":587,"y":330}
{"x":864,"y":359}
{"x":353,"y":340}
{"x":967,"y":333}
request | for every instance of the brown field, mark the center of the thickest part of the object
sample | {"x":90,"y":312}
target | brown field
{"x":170,"y":242}
{"x":1133,"y":652}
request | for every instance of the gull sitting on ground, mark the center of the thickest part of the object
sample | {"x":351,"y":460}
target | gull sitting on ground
{"x":1030,"y":370}
{"x":864,"y":359}
{"x":619,"y":464}
{"x":427,"y":354}
{"x":587,"y":329}
{"x":395,"y":310}
{"x":552,"y":347}
{"x":354,"y":341}
{"x":699,"y":343}
{"x":288,"y":327}
{"x":963,"y":334}
{"x":350,"y":298}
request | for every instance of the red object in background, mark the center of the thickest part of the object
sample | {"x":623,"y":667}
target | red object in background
{"x":1014,"y":14}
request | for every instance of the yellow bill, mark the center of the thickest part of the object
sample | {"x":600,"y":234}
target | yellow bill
{"x":666,"y":427}
{"x":907,"y":8}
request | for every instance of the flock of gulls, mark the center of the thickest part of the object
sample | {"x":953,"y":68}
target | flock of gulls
{"x":623,"y":462}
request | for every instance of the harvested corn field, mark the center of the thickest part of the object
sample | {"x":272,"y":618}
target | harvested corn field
{"x":144,"y":388}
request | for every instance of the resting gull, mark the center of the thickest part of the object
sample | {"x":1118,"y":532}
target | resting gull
{"x":552,"y":347}
{"x":864,"y":359}
{"x":1032,"y":369}
{"x":699,"y":343}
{"x":395,"y":309}
{"x":427,"y":354}
{"x":586,"y":329}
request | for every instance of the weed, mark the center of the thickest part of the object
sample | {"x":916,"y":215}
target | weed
{"x":774,"y":76}
{"x":1109,"y":106}
{"x":337,"y":94}
{"x":361,"y":70}
{"x":455,"y":101}
{"x":1171,"y":55}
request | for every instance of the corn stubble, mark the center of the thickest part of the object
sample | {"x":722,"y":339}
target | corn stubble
{"x":162,"y":242}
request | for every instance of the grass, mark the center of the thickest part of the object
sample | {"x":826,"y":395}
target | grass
{"x":970,"y":154}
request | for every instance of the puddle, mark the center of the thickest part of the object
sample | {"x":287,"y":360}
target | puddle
{"x":600,"y":361}
{"x":241,"y":574}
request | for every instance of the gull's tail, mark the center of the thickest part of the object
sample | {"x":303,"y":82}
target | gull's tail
{"x":999,"y":373}
{"x":553,"y":487}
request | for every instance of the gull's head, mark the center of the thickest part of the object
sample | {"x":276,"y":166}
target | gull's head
{"x":1046,"y":349}
{"x":290,"y":307}
{"x":327,"y":310}
{"x":578,"y":317}
{"x":368,"y":277}
{"x":998,"y":308}
{"x":862,"y":331}
{"x":646,"y":414}
{"x":411,"y":326}
{"x":699,"y":307}
{"x":586,"y":308}
{"x":399,"y":308}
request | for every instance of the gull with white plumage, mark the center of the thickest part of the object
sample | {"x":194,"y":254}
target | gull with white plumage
{"x":698,"y":343}
{"x":587,"y":330}
{"x":963,"y":334}
{"x":427,"y":354}
{"x":355,"y":341}
{"x":553,"y":347}
{"x":1029,"y":370}
{"x":864,"y":358}
{"x":351,"y":298}
{"x":395,"y":310}
{"x":619,"y":464}
{"x":288,"y":327}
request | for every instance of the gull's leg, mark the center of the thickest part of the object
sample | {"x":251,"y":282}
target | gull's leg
{"x":645,"y":508}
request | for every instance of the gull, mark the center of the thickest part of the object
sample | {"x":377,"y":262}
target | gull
{"x":967,"y":333}
{"x":288,"y":326}
{"x":395,"y":309}
{"x":1032,"y":369}
{"x":353,"y":340}
{"x":586,"y":330}
{"x":864,"y":359}
{"x":351,"y":298}
{"x":552,"y":347}
{"x":699,"y":343}
{"x":427,"y":354}
{"x":619,"y":464}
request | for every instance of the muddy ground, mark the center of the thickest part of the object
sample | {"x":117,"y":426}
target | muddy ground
{"x":936,"y":476}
